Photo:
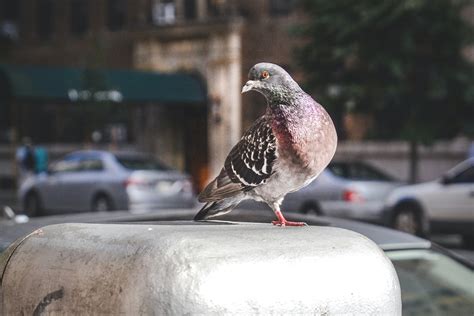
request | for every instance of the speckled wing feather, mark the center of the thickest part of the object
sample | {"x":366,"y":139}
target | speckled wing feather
{"x":250,"y":162}
{"x":248,"y":165}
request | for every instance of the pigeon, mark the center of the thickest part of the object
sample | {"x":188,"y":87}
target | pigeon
{"x":283,"y":151}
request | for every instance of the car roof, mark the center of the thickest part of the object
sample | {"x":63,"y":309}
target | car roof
{"x":351,"y":163}
{"x":87,"y":152}
{"x":107,"y":152}
{"x":387,"y":239}
{"x":132,"y":155}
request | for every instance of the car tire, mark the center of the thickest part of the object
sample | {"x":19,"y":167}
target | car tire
{"x":32,"y":205}
{"x":311,"y":208}
{"x":102,"y":203}
{"x":407,"y":218}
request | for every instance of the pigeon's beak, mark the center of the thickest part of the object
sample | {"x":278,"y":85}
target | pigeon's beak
{"x":248,"y":86}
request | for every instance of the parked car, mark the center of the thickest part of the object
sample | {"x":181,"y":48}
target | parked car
{"x":445,"y":205}
{"x":348,"y":189}
{"x":103,"y":181}
{"x":433,"y":280}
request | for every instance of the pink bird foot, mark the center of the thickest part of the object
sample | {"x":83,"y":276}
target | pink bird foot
{"x":282,"y":222}
{"x":287,"y":223}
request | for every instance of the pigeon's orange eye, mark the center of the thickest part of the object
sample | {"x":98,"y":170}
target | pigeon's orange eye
{"x":264,"y":74}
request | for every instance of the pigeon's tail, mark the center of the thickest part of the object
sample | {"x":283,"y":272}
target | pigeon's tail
{"x":216,"y":208}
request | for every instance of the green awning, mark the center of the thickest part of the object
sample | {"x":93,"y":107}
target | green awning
{"x":75,"y":85}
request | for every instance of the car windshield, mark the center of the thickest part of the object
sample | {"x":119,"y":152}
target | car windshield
{"x":141,"y":163}
{"x":358,"y":171}
{"x":433,"y":284}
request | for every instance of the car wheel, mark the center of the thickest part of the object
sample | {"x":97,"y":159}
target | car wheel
{"x":32,"y":205}
{"x":407,"y":219}
{"x":311,"y":209}
{"x":102,"y":203}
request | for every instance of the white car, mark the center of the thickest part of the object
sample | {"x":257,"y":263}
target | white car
{"x":445,"y":205}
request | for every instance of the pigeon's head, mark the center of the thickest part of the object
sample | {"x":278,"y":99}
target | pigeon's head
{"x":270,"y":80}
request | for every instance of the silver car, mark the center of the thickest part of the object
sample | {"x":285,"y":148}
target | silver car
{"x":102,"y":181}
{"x":348,"y":189}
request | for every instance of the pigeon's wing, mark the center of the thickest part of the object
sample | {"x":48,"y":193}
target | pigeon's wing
{"x":220,"y":188}
{"x":250,"y":162}
{"x":248,"y":165}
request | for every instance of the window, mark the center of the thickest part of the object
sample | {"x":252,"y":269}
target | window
{"x":190,"y":9}
{"x":213,"y":7}
{"x":116,"y":14}
{"x":10,"y":9}
{"x":140,"y":163}
{"x":358,"y":171}
{"x":366,"y":172}
{"x":339,"y":169}
{"x":466,"y":176}
{"x":77,"y":163}
{"x":282,"y":7}
{"x":10,"y":18}
{"x":68,"y":164}
{"x":163,"y":12}
{"x":79,"y":16}
{"x":45,"y":18}
{"x":91,"y":164}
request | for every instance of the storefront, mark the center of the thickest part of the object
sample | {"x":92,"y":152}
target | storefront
{"x":165,"y":114}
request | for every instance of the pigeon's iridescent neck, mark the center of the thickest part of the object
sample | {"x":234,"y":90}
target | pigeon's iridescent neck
{"x":294,"y":108}
{"x":284,"y":96}
{"x":295,"y":126}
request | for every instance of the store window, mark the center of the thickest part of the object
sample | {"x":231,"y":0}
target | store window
{"x":79,"y":17}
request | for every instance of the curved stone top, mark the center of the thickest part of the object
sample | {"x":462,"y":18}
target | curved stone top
{"x":198,"y":269}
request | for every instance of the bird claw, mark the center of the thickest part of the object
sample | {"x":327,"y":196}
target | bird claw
{"x":287,"y":223}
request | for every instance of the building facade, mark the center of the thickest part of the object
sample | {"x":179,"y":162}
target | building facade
{"x":215,"y":40}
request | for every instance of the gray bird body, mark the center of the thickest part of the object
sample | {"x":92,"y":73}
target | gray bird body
{"x":283,"y":151}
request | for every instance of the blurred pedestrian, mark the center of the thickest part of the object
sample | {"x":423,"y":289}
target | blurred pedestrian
{"x":41,"y":159}
{"x":25,"y":158}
